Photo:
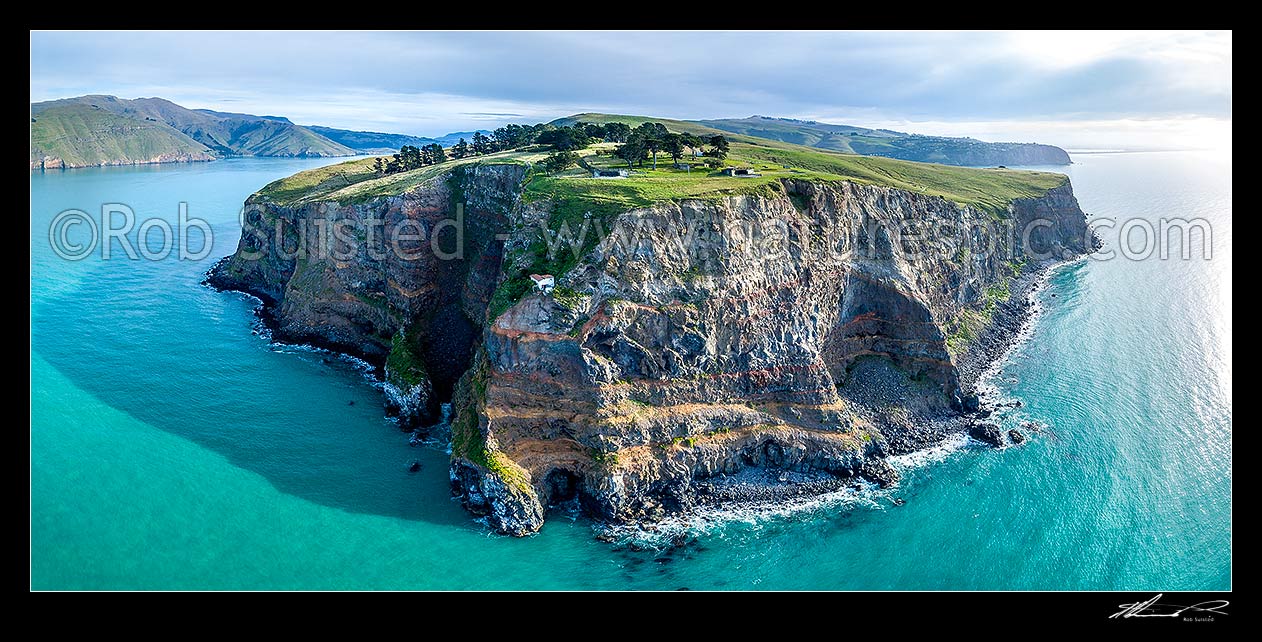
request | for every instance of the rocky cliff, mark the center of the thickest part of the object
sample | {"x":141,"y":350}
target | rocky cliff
{"x":811,"y":327}
{"x":403,"y":303}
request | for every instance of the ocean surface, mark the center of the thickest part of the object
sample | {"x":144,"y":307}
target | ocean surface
{"x":172,"y":447}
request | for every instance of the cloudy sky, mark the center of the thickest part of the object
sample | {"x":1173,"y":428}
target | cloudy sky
{"x":1075,"y":89}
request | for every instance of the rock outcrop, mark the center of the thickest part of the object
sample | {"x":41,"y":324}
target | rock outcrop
{"x":813,"y":327}
{"x":988,"y":433}
{"x":417,"y":311}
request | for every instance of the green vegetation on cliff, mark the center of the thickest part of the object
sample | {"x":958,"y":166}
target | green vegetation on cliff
{"x":467,"y":440}
{"x":403,"y":364}
{"x":986,"y":189}
{"x":357,"y":182}
{"x":316,"y":184}
{"x":972,"y":320}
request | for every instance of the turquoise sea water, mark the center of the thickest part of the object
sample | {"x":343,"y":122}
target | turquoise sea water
{"x":171,"y":448}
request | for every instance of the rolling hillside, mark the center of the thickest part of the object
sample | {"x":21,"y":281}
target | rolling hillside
{"x":986,"y":189}
{"x":104,"y":130}
{"x":767,"y":132}
{"x":370,"y":142}
{"x":892,"y":144}
{"x":97,"y":130}
{"x":800,"y":132}
{"x":86,"y":136}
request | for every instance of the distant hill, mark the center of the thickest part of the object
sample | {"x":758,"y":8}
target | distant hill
{"x":229,"y":114}
{"x":89,"y":131}
{"x":381,"y":143}
{"x":447,"y":140}
{"x":892,"y":144}
{"x":799,"y":132}
{"x":766,"y":131}
{"x":370,"y":142}
{"x":94,"y":130}
{"x":682,"y":126}
{"x":86,"y":136}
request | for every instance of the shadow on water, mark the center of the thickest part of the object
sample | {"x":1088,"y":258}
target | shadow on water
{"x":148,"y":339}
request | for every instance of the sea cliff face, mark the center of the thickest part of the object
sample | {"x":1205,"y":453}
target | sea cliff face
{"x":812,"y":328}
{"x":415,"y":311}
{"x":53,"y":162}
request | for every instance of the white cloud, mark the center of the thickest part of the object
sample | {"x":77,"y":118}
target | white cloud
{"x":433,"y":82}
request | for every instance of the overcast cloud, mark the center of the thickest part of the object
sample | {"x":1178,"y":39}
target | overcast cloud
{"x":1083,"y":89}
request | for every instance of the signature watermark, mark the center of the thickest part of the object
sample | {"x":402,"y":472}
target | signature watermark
{"x":1153,"y":608}
{"x":75,"y":235}
{"x":323,"y":232}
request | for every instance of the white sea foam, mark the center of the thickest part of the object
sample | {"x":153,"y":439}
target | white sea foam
{"x":261,"y":329}
{"x":258,"y":303}
{"x":932,"y":455}
{"x":756,"y":515}
{"x":365,"y":368}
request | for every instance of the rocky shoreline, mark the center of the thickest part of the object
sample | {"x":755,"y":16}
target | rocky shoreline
{"x":266,"y":312}
{"x":1008,"y":329}
{"x":764,"y":488}
{"x":50,"y":163}
{"x":1008,"y":322}
{"x":755,"y":486}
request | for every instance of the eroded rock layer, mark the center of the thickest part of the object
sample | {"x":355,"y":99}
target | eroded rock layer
{"x":814,"y":327}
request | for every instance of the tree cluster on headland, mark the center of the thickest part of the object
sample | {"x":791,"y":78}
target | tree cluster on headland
{"x":636,"y":145}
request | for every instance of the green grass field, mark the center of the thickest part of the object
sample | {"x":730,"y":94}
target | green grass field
{"x":356,"y":182}
{"x":987,"y":189}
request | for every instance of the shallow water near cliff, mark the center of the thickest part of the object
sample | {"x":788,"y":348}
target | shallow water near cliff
{"x":173,"y":448}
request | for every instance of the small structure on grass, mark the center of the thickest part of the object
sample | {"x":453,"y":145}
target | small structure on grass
{"x":740,"y":172}
{"x":543,"y":282}
{"x":609,"y":173}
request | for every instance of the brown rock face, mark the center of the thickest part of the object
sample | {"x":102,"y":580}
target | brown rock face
{"x":815,"y":328}
{"x":809,"y":330}
{"x":405,"y":286}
